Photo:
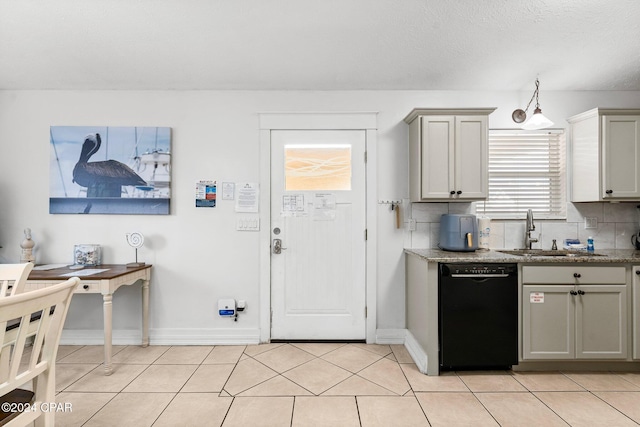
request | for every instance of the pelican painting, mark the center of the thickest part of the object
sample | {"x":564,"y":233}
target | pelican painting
{"x":105,"y":178}
{"x":110,"y":170}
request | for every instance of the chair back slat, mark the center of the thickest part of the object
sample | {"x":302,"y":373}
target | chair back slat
{"x":51,"y":305}
{"x":13,"y":278}
{"x":19,"y":345}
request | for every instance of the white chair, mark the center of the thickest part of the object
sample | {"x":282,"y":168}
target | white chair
{"x":52,"y":303}
{"x":13,"y":278}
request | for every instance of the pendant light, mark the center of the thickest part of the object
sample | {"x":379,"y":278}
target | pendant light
{"x":538,"y":120}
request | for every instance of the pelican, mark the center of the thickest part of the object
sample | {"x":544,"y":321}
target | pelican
{"x":102,"y":179}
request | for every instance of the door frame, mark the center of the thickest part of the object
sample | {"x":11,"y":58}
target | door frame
{"x":365,"y":121}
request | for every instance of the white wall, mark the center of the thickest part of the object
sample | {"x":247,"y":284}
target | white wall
{"x":198,"y":256}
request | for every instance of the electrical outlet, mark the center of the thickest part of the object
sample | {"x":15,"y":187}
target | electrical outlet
{"x":411,"y":224}
{"x":591,"y":222}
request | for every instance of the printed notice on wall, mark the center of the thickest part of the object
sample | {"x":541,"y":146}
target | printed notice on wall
{"x":248,"y":197}
{"x":293,"y":205}
{"x":206,"y":194}
{"x":324,"y":207}
{"x":228,"y":190}
{"x":536,"y":297}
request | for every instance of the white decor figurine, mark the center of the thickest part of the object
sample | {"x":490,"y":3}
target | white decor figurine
{"x":27,"y":247}
{"x":135,"y":240}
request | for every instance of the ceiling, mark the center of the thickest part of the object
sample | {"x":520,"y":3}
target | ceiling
{"x":320,"y":44}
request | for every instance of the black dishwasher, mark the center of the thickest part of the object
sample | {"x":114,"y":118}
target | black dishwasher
{"x":478,"y":315}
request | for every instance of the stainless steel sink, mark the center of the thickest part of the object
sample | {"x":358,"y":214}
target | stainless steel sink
{"x":545,"y":252}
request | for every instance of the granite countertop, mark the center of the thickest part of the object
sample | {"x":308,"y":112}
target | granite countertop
{"x":602,"y":256}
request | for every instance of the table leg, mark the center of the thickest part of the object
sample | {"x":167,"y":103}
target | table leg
{"x":145,"y":313}
{"x":108,"y":324}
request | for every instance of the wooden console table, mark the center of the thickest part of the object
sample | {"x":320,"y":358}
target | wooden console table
{"x":105,"y":283}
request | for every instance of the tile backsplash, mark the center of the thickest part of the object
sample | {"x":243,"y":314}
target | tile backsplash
{"x":617,"y":222}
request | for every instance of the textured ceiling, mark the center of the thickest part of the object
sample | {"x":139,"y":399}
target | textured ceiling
{"x":320,"y":44}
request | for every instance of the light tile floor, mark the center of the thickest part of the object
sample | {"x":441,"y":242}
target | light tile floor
{"x":324,"y":385}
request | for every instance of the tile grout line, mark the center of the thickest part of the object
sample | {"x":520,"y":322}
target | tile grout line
{"x":358,"y":410}
{"x":101,"y":407}
{"x":237,"y":362}
{"x":121,"y":391}
{"x":476,"y":394}
{"x":541,"y":401}
{"x":257,"y":384}
{"x":181,"y":388}
{"x":352,"y":374}
{"x":610,"y":405}
{"x":281,"y":374}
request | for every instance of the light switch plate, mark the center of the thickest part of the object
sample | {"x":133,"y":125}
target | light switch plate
{"x":591,"y":222}
{"x":250,"y":223}
{"x":411,"y":224}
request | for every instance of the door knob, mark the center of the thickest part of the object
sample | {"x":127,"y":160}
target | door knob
{"x":581,"y":292}
{"x":277,"y":246}
{"x":573,"y":292}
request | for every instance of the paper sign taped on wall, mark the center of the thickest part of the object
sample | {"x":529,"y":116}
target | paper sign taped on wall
{"x":324,"y":207}
{"x":228,"y":190}
{"x":206,"y":194}
{"x":293,"y":205}
{"x":248,"y":197}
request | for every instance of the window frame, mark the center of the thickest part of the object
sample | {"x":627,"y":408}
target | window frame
{"x":556,"y":208}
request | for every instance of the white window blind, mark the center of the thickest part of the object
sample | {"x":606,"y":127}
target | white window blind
{"x":526,"y":171}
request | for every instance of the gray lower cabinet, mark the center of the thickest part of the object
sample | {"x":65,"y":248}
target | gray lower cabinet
{"x":574,"y":312}
{"x":635,"y":275}
{"x":548,"y":322}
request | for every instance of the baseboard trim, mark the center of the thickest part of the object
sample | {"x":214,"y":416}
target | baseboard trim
{"x":390,"y":336}
{"x":416,"y":352}
{"x":202,"y":337}
{"x":205,"y":336}
{"x":96,"y":337}
{"x":163,"y":337}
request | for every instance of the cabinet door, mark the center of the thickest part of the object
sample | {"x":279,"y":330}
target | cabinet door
{"x":635,"y":310}
{"x":548,"y":322}
{"x":601,"y":322}
{"x":621,"y":157}
{"x":437,"y":154}
{"x":471,"y":157}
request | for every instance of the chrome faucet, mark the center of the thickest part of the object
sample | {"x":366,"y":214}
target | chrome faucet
{"x":527,"y":233}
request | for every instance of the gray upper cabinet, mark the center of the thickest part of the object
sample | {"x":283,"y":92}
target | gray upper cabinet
{"x":448,"y":154}
{"x":605,"y":160}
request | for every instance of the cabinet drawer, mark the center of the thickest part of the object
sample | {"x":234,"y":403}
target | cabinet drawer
{"x":565,"y":275}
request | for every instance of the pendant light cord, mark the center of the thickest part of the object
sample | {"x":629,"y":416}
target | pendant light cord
{"x":535,"y":95}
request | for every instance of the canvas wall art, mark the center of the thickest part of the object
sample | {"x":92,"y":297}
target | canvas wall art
{"x":110,"y":170}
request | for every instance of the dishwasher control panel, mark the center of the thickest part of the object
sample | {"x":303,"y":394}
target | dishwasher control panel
{"x":479,"y":270}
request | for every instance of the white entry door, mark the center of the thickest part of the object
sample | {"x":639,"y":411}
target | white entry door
{"x":318,"y":221}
